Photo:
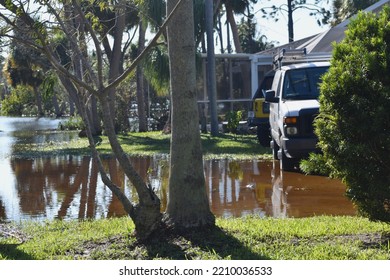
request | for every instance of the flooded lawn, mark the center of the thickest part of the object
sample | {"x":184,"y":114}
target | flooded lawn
{"x":69,"y":187}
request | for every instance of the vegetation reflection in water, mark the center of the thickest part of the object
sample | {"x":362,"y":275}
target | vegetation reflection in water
{"x":69,"y":187}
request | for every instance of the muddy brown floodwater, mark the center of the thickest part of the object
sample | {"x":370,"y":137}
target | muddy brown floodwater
{"x":69,"y":187}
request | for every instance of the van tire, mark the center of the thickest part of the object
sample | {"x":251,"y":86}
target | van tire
{"x":286,"y":163}
{"x":263,"y":135}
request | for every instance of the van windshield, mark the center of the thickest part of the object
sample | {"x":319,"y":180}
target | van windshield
{"x":301,"y":84}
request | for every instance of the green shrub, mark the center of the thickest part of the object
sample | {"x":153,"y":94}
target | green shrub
{"x":354,"y":122}
{"x":19,"y":102}
{"x":315,"y":165}
{"x":73,"y":123}
{"x":233,"y":119}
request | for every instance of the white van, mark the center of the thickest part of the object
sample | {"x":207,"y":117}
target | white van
{"x":294,"y":105}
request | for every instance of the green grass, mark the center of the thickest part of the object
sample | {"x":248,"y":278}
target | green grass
{"x":317,"y":238}
{"x":151,"y":143}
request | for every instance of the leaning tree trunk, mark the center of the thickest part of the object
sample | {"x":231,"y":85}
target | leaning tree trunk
{"x":146,"y":215}
{"x":188,"y":205}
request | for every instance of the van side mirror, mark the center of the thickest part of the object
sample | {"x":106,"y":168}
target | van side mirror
{"x":270,"y":96}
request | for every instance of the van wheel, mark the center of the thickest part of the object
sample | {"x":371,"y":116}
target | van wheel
{"x":263,"y":135}
{"x":286,"y":163}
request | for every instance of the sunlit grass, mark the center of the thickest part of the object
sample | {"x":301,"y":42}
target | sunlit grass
{"x":65,"y":239}
{"x":335,"y":238}
{"x":152,"y":143}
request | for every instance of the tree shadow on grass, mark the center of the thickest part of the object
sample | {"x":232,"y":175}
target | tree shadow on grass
{"x":213,"y":242}
{"x":11,"y":252}
{"x":227,"y":144}
{"x":141,"y":142}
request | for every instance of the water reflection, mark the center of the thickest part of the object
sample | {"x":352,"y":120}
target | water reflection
{"x":254,"y":187}
{"x":69,"y":187}
{"x":66,"y":187}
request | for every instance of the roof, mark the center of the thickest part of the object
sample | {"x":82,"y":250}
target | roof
{"x":323,"y":42}
{"x":292,"y":45}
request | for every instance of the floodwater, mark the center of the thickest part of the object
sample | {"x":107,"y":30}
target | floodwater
{"x":69,"y":187}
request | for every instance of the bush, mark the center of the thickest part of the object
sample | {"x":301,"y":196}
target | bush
{"x":315,"y":165}
{"x":354,"y":122}
{"x":233,"y":119}
{"x":72,"y":123}
{"x":19,"y":102}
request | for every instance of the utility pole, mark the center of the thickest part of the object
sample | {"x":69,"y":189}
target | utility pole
{"x":211,"y":79}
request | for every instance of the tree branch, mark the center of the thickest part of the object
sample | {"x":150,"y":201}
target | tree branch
{"x":42,"y":38}
{"x":75,"y":45}
{"x":152,"y":43}
{"x":128,"y":206}
{"x":96,"y":42}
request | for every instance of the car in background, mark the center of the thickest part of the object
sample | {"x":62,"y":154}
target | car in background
{"x":259,"y":116}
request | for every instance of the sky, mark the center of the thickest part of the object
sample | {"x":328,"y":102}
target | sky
{"x":304,"y":24}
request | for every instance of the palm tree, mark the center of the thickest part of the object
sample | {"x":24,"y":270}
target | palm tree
{"x":156,"y":65}
{"x":236,"y":7}
{"x":26,"y":66}
{"x":151,"y":14}
{"x":188,"y":205}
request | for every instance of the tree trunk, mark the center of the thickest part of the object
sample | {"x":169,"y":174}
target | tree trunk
{"x":97,"y":128}
{"x":188,"y":205}
{"x":233,"y":26}
{"x":146,"y":215}
{"x":38,"y":99}
{"x":220,"y":34}
{"x":167,"y":129}
{"x":72,"y":108}
{"x":211,"y":77}
{"x":85,"y":103}
{"x":75,"y":98}
{"x":290,"y":21}
{"x":56,"y":106}
{"x":245,"y":71}
{"x":116,"y":58}
{"x":143,"y":123}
